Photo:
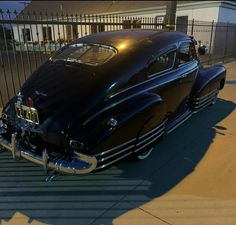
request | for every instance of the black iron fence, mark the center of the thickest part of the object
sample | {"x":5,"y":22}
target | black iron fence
{"x":27,"y":40}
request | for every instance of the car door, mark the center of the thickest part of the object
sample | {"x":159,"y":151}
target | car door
{"x":187,"y":68}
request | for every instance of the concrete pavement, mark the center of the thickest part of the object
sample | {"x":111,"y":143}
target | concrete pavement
{"x":207,"y":195}
{"x":231,"y":70}
{"x":189,"y":180}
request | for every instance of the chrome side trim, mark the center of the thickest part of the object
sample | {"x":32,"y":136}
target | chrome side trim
{"x":115,"y":154}
{"x":111,"y":162}
{"x":83,"y":163}
{"x":202,"y":104}
{"x":153,"y":135}
{"x":160,"y":127}
{"x":140,"y":148}
{"x":205,"y":96}
{"x":151,"y":131}
{"x":115,"y":148}
{"x":198,"y":103}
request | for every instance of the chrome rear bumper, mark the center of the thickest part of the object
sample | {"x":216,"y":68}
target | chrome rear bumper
{"x":82,"y":163}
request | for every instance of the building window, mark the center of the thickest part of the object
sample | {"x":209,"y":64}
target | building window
{"x":137,"y":23}
{"x":97,"y":28}
{"x":159,"y":20}
{"x":69,"y":34}
{"x":47,"y":33}
{"x":26,"y":34}
{"x":127,"y":24}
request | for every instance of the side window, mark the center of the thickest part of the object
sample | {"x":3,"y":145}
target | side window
{"x":187,"y":52}
{"x":163,"y":62}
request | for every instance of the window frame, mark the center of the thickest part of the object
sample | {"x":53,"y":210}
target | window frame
{"x":26,"y":34}
{"x":126,"y":24}
{"x":178,"y":51}
{"x":47,"y":33}
{"x":97,"y":28}
{"x":150,"y":75}
{"x":53,"y":58}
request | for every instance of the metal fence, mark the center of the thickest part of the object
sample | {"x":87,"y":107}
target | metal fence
{"x":27,"y":40}
{"x":219,"y":39}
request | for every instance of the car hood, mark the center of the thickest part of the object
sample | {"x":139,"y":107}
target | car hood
{"x":63,"y":92}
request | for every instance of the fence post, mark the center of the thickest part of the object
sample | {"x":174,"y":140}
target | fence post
{"x":212,"y":27}
{"x":226,"y":40}
{"x":8,"y":55}
{"x":192,"y":27}
{"x":2,"y":102}
{"x":3,"y":63}
{"x":14,"y":50}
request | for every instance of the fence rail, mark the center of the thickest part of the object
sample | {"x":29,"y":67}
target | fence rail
{"x":27,"y":40}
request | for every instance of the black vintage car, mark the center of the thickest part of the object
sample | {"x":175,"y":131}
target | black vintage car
{"x":107,"y":96}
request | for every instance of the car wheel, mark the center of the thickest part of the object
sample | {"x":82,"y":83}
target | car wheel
{"x":144,"y":155}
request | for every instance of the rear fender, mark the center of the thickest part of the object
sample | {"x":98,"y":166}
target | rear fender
{"x":135,"y":116}
{"x":131,"y":115}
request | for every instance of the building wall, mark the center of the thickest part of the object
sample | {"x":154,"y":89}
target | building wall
{"x":227,"y":15}
{"x":36,"y":31}
{"x":225,"y":31}
{"x":203,"y":14}
{"x":202,"y":10}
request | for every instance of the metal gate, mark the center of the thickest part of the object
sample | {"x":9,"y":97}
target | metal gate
{"x":27,"y":40}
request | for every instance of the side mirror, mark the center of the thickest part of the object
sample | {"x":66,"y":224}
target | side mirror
{"x":202,"y":49}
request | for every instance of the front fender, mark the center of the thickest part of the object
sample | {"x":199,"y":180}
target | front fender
{"x":208,"y":80}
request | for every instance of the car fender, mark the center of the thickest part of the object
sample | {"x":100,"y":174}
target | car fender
{"x":134,"y":115}
{"x":209,"y":79}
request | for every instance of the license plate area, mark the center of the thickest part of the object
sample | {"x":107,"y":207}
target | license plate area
{"x":27,"y":113}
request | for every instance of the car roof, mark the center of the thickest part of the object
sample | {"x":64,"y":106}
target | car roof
{"x":133,"y":37}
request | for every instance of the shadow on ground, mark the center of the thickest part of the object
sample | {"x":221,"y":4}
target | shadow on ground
{"x":101,"y":197}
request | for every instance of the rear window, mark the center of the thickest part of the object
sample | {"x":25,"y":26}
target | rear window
{"x":90,"y":54}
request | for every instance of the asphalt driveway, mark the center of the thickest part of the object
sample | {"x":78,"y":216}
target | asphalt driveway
{"x":190,"y":179}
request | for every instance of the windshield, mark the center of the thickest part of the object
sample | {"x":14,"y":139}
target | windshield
{"x":90,"y":54}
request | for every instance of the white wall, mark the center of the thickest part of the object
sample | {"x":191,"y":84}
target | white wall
{"x":204,"y":11}
{"x":18,"y":35}
{"x":202,"y":14}
{"x":227,"y":15}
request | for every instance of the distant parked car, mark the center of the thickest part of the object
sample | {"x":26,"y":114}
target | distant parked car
{"x":107,"y":96}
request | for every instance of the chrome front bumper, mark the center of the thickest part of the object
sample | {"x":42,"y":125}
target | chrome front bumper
{"x":82,"y":163}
